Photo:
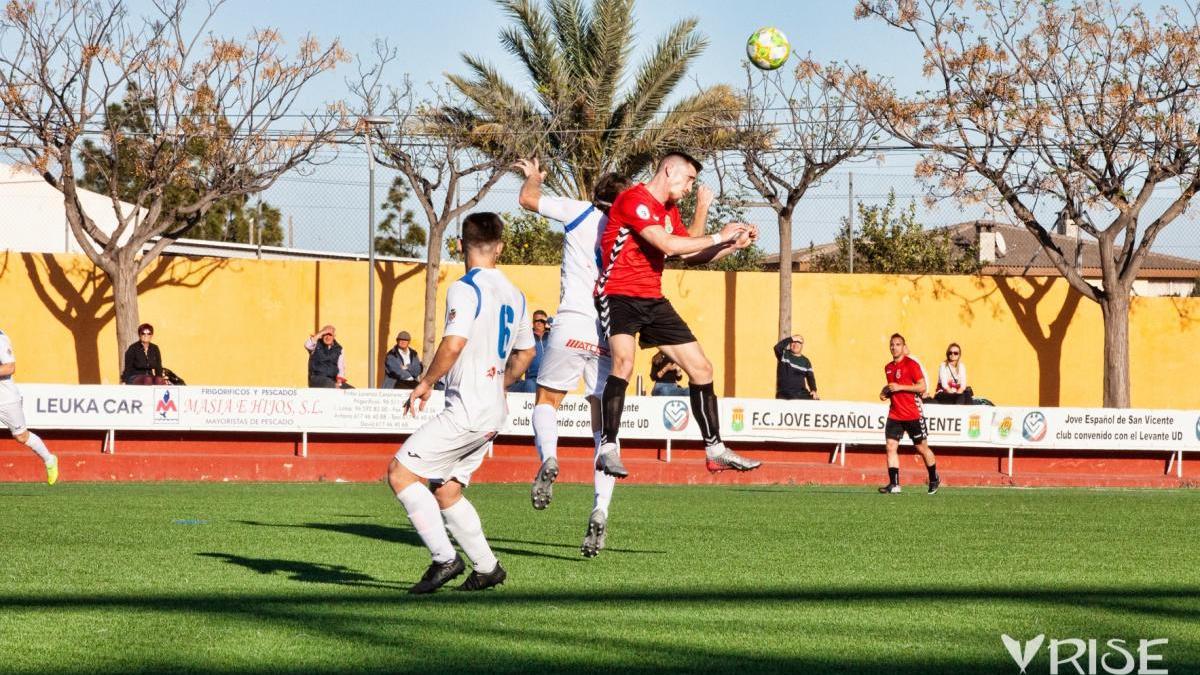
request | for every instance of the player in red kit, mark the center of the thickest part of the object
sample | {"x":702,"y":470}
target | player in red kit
{"x":905,"y":386}
{"x":643,"y":228}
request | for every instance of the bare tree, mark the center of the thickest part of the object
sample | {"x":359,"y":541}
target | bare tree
{"x":213,"y":128}
{"x":450,"y":157}
{"x":1090,"y":109}
{"x":796,"y":127}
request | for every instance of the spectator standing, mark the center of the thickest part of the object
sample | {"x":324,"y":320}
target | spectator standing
{"x":402,"y":366}
{"x":326,"y":362}
{"x":666,"y":375}
{"x":794,"y":376}
{"x":952,"y":379}
{"x":541,"y":324}
{"x":143,"y":360}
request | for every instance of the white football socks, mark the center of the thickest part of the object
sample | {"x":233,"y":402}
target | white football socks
{"x":35,"y":443}
{"x":426,"y":517}
{"x":715,"y":450}
{"x":463,"y":522}
{"x":545,"y":430}
{"x":604,"y":483}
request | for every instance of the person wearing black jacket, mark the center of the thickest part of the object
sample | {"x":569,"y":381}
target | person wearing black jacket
{"x":402,"y":366}
{"x":794,"y":377}
{"x":143,"y":360}
{"x":326,"y":362}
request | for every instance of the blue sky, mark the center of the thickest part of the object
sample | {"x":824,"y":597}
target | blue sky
{"x":431,"y":35}
{"x":329,"y":207}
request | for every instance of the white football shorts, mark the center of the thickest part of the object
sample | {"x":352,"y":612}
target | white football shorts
{"x":13,"y":417}
{"x":442,"y":449}
{"x":575,"y":350}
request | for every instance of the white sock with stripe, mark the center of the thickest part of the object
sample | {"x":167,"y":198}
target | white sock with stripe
{"x":426,"y":517}
{"x":463,"y":522}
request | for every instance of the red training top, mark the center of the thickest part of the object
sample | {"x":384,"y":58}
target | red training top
{"x":630,"y":265}
{"x":905,"y":405}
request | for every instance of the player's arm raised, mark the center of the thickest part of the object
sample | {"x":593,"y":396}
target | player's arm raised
{"x":717,"y":251}
{"x":531,"y":189}
{"x":704,"y":200}
{"x":669,"y":244}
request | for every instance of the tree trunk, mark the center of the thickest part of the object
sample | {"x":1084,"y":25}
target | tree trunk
{"x":1115,"y":309}
{"x":433,"y":268}
{"x":785,"y":275}
{"x":125,"y":303}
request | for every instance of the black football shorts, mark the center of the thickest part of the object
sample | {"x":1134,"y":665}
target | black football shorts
{"x":895,"y":429}
{"x":653,"y":320}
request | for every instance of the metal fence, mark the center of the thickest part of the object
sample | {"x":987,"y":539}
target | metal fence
{"x":325,"y":207}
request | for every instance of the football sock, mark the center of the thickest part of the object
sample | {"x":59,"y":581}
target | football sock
{"x":604,"y":482}
{"x":545,"y":431}
{"x":611,"y":407}
{"x":463,"y":522}
{"x":426,"y":517}
{"x":35,"y":443}
{"x":932,"y":468}
{"x":704,"y":405}
{"x":894,"y":475}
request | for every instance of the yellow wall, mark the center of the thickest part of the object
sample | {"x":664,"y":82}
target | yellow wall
{"x":1025,"y":341}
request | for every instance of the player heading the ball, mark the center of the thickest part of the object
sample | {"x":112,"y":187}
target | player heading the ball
{"x":644,"y":226}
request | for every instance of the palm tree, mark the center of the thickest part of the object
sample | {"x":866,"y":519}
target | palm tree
{"x":578,"y":111}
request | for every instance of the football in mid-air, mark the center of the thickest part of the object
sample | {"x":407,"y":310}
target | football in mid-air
{"x":768,"y":48}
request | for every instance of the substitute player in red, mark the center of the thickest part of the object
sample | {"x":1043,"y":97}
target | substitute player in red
{"x":905,"y":386}
{"x":644,"y":226}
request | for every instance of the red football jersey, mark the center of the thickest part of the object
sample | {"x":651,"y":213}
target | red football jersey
{"x":629,"y":265}
{"x":905,"y":405}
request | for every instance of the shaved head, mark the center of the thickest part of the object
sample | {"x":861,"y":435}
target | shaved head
{"x":678,"y":171}
{"x":680,"y":158}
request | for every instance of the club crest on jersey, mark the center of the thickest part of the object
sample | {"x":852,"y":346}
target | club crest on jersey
{"x":643,"y":212}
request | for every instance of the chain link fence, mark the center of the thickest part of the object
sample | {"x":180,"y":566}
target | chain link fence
{"x":325,"y":208}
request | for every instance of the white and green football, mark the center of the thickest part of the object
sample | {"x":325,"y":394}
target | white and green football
{"x":768,"y":48}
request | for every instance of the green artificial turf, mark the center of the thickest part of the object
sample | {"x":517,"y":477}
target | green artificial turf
{"x":311,"y":578}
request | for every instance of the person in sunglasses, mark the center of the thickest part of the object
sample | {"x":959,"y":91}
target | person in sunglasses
{"x":143,"y":360}
{"x":952,"y":379}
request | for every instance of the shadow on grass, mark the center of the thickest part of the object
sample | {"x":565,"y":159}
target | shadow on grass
{"x":409,"y":537}
{"x":315,"y":573}
{"x":492,"y":644}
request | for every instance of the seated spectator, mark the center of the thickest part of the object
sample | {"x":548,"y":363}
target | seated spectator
{"x":402,"y":366}
{"x":794,"y":376}
{"x":666,"y":375}
{"x":143,"y":360}
{"x":541,"y":336}
{"x":952,"y":379}
{"x":326,"y":362}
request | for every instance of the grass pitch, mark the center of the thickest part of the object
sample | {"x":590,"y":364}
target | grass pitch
{"x":311,"y":578}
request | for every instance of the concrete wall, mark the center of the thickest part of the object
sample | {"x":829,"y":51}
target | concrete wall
{"x":1025,"y":341}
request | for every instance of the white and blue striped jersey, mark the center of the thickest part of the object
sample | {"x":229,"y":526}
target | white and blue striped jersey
{"x":486,"y":309}
{"x":582,"y":225}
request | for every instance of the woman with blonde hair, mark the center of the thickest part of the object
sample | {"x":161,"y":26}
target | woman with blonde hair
{"x":952,"y":379}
